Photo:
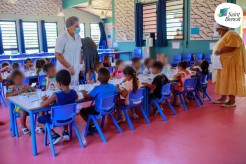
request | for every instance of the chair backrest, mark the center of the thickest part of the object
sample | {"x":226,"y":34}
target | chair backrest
{"x":177,"y":58}
{"x":106,"y":104}
{"x":26,"y":80}
{"x":138,"y":52}
{"x":136,"y":98}
{"x":166,"y":90}
{"x":187,"y":56}
{"x":63,"y":115}
{"x":190,"y":84}
{"x":93,"y":77}
{"x":198,"y":56}
{"x":204,"y":79}
{"x":4,"y":57}
{"x":111,"y":69}
{"x":207,"y":57}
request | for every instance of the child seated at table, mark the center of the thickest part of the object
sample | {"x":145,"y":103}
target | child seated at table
{"x":15,"y":66}
{"x":106,"y":61}
{"x":132,"y":84}
{"x":5,"y":67}
{"x":118,"y":73}
{"x":49,"y":82}
{"x":28,"y":65}
{"x":136,"y":63}
{"x":181,"y":76}
{"x":63,"y":97}
{"x":39,"y":66}
{"x":147,"y":63}
{"x":103,"y":89}
{"x":91,"y":76}
{"x":16,"y":88}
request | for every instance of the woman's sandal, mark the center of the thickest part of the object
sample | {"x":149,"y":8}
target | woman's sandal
{"x":39,"y":130}
{"x":26,"y":131}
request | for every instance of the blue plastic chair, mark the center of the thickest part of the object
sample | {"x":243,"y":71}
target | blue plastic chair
{"x":166,"y":93}
{"x":202,"y":86}
{"x":111,"y":69}
{"x":106,"y":107}
{"x":2,"y":95}
{"x":176,"y":60}
{"x":135,"y":100}
{"x":26,"y":80}
{"x":61,"y":116}
{"x":187,"y":57}
{"x":189,"y":88}
{"x":93,"y":77}
{"x":208,"y":58}
{"x":138,"y":53}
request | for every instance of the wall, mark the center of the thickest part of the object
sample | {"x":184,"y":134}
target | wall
{"x":48,"y":10}
{"x":186,"y":45}
{"x":83,"y":17}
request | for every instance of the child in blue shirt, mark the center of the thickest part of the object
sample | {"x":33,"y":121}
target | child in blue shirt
{"x":103,"y":89}
{"x":63,"y":97}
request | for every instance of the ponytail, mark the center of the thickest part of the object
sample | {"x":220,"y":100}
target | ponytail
{"x":131,"y":71}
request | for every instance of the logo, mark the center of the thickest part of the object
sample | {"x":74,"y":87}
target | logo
{"x":229,"y":15}
{"x":223,"y":12}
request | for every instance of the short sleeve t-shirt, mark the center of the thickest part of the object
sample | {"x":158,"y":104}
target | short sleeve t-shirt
{"x":159,"y":81}
{"x":102,"y":90}
{"x":118,"y":74}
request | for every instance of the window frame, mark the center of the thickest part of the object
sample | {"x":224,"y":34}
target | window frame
{"x":84,"y":29}
{"x":16,"y":33}
{"x":99,"y":31}
{"x":150,"y":3}
{"x":46,"y":34}
{"x":37,"y":33}
{"x":182,"y":22}
{"x":183,"y":13}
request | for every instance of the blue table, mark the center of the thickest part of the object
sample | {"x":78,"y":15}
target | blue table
{"x":13,"y":60}
{"x":117,"y":53}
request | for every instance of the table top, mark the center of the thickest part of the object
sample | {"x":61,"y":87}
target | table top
{"x":116,"y":52}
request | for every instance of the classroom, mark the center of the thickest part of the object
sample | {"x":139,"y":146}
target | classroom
{"x":123,"y":81}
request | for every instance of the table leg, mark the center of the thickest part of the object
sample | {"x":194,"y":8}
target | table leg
{"x":146,"y":101}
{"x":32,"y":127}
{"x":11,"y":115}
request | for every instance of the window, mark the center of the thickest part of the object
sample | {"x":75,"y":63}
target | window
{"x":95,"y":33}
{"x":9,"y":37}
{"x":82,"y":30}
{"x":175,"y":11}
{"x":149,"y":18}
{"x":51,"y":35}
{"x":31,"y":37}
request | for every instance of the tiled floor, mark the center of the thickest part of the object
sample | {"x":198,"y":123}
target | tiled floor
{"x":210,"y":134}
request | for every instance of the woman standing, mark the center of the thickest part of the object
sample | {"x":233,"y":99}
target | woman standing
{"x":230,"y":80}
{"x":68,"y":49}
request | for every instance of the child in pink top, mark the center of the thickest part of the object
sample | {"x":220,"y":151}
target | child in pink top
{"x":181,"y":76}
{"x":118,"y":73}
{"x":132,"y":84}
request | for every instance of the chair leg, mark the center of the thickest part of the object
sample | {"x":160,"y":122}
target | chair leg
{"x":144,"y":114}
{"x":99,"y":129}
{"x":78,"y":135}
{"x":115,"y":122}
{"x":118,"y":114}
{"x":193,"y":94}
{"x":45,"y":136}
{"x":128,"y":119}
{"x":71,"y":131}
{"x":182,"y":101}
{"x":87,"y":126}
{"x":16,"y":127}
{"x":50,"y":138}
{"x":102,"y":122}
{"x":160,"y":111}
{"x":209,"y":98}
{"x":171,"y":107}
{"x":199,"y":97}
{"x":4,"y":103}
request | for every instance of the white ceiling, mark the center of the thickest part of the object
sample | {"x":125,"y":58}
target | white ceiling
{"x":102,"y":8}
